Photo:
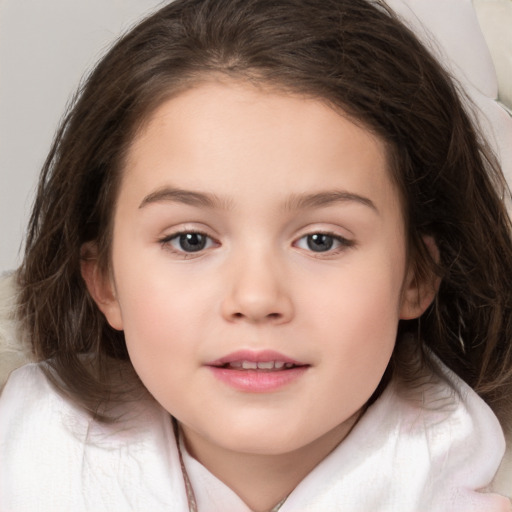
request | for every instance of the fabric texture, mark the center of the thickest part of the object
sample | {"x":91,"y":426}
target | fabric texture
{"x":15,"y":349}
{"x":435,"y":449}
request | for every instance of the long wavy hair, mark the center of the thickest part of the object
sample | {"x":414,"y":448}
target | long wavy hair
{"x":356,"y":56}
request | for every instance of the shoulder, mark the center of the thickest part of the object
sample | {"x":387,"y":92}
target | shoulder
{"x":434,"y":446}
{"x":27,"y":393}
{"x":33,"y":441}
{"x":463,"y":439}
{"x":55,"y":456}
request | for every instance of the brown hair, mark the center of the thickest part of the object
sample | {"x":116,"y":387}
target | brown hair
{"x":353,"y":54}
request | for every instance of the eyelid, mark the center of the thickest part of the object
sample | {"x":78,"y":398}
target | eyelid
{"x":186,"y":227}
{"x":344,"y":242}
{"x":165,"y":241}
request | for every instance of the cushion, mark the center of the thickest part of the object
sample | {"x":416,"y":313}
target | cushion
{"x":15,"y":349}
{"x":495,"y":17}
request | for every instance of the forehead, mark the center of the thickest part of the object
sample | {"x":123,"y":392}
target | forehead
{"x":233,"y":137}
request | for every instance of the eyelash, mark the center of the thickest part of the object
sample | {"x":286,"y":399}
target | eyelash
{"x":167,"y":242}
{"x":342,"y":243}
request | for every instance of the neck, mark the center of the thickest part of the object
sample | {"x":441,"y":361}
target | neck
{"x":261,"y":480}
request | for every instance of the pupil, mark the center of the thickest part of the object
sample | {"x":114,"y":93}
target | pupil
{"x":320,"y":242}
{"x":192,"y":242}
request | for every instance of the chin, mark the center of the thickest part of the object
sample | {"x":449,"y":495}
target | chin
{"x":269,"y":440}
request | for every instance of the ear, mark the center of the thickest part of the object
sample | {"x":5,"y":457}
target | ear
{"x":419,"y":291}
{"x":100,"y":286}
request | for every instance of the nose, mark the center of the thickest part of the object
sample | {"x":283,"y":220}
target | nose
{"x":257,"y":292}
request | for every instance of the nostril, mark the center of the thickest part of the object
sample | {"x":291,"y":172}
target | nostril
{"x":270,"y":316}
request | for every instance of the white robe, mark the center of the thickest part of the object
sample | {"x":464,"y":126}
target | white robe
{"x":439,"y":455}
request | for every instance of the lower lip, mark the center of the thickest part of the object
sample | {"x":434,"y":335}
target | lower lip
{"x":254,"y":381}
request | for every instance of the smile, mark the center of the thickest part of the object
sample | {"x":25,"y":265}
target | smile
{"x":257,"y":372}
{"x":262,"y":365}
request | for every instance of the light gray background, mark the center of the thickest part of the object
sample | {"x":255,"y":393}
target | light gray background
{"x":45,"y":48}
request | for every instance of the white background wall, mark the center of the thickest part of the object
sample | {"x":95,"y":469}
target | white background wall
{"x":45,"y":47}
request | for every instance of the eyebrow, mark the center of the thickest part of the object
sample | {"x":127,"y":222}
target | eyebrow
{"x":294,"y":202}
{"x":192,"y":198}
{"x":322,"y":199}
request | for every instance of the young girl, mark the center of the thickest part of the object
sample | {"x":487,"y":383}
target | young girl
{"x":268,"y":268}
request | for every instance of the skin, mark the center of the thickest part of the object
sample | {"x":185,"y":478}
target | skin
{"x":257,"y":284}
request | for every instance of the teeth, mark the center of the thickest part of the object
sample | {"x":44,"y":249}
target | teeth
{"x":263,"y":365}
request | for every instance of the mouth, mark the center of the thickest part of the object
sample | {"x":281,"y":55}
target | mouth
{"x":265,"y":361}
{"x":257,"y":372}
{"x":265,"y":366}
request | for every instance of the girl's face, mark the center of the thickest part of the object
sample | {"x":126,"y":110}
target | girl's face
{"x":259,"y":267}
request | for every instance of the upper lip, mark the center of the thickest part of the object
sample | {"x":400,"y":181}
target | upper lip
{"x":261,"y":356}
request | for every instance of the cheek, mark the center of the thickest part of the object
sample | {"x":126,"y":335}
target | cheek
{"x":158,"y":318}
{"x":358,"y":316}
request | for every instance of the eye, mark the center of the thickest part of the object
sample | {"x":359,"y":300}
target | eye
{"x":188,"y":242}
{"x":323,"y":242}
